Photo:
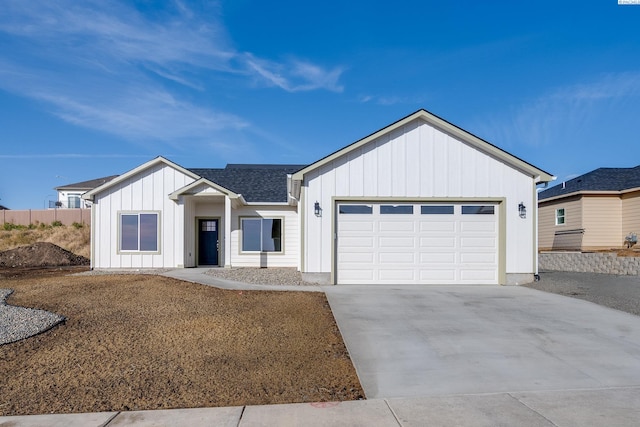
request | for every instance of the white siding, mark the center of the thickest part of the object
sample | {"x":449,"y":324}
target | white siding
{"x":290,"y":238}
{"x":145,"y":191}
{"x":418,"y":162}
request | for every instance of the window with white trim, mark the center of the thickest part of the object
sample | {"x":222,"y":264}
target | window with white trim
{"x":139,"y":232}
{"x":261,"y":234}
{"x":560,"y":218}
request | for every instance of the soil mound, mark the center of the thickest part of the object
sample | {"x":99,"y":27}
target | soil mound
{"x":40,"y":254}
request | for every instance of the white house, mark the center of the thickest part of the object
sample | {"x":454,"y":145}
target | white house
{"x":69,"y":195}
{"x":418,"y":202}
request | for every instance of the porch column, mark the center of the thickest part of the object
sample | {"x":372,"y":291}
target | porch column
{"x":227,"y":231}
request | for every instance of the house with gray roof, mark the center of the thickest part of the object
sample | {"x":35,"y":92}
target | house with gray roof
{"x":420,"y":201}
{"x":594,"y":211}
{"x":69,"y":195}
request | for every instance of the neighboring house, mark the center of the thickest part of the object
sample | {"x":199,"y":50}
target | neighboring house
{"x":3,"y":208}
{"x":594,"y":211}
{"x":69,"y":196}
{"x":418,"y":202}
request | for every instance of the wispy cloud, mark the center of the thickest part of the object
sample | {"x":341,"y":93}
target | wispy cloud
{"x":295,"y":75}
{"x":107,"y":66}
{"x":562,"y":115}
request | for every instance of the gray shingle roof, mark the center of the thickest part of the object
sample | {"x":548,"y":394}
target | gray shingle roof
{"x":87,"y":185}
{"x":256,"y":183}
{"x":601,"y":179}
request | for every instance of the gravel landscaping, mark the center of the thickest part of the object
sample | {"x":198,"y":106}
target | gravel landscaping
{"x":18,"y":323}
{"x":614,"y":291}
{"x":261,"y":276}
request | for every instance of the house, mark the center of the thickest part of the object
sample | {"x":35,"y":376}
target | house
{"x":3,"y":208}
{"x":596,"y":210}
{"x":420,"y":201}
{"x":69,"y":196}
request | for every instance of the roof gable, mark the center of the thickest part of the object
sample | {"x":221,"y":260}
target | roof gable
{"x":151,"y":163}
{"x":598,"y":180}
{"x":538,"y":174}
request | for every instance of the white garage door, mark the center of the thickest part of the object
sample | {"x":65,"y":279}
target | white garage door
{"x":417,"y":243}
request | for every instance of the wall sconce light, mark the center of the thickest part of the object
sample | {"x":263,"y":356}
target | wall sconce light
{"x":316,"y":209}
{"x":522,"y":210}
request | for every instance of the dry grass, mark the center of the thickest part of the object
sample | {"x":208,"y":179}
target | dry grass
{"x":76,"y":240}
{"x":147,"y":342}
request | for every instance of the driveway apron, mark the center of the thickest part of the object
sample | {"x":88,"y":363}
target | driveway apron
{"x":437,"y":340}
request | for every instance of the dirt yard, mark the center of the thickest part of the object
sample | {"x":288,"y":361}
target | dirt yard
{"x":133,"y":342}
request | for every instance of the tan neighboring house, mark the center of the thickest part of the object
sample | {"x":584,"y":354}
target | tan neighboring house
{"x":597,"y":210}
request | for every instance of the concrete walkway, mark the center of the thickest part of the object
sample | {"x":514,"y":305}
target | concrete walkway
{"x":481,"y":356}
{"x":603,"y":407}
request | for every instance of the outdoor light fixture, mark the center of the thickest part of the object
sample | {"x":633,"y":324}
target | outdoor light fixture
{"x":316,"y":208}
{"x":522,"y":210}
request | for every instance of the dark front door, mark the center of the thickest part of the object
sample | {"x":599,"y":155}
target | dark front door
{"x":208,"y":242}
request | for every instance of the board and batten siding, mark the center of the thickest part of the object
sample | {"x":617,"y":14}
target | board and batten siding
{"x":418,"y":162}
{"x":602,"y":221}
{"x":567,"y":236}
{"x":145,"y":191}
{"x":290,"y":254}
{"x":631,"y":213}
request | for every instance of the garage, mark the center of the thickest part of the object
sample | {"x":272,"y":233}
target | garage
{"x":417,"y":243}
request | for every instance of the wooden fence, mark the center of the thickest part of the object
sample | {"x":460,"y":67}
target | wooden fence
{"x":46,"y":216}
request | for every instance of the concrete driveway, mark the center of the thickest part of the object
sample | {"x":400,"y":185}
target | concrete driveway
{"x":438,"y":340}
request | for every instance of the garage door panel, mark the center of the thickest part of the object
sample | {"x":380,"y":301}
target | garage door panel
{"x":396,"y":226}
{"x":357,"y":226}
{"x":396,"y":274}
{"x":358,"y":257}
{"x":397,"y":257}
{"x":438,"y":242}
{"x":396,"y":242}
{"x":479,"y":258}
{"x":444,"y":226}
{"x":477,"y":242}
{"x":356,"y":242}
{"x":356,"y":276}
{"x":438,"y":275}
{"x":437,"y":257}
{"x":478,"y":226}
{"x":419,"y":248}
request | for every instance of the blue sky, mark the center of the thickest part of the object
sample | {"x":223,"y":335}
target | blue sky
{"x":95,"y":88}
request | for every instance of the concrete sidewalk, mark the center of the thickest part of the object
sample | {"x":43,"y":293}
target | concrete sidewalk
{"x":596,"y":407}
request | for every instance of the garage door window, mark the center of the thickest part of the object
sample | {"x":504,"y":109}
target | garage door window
{"x":478,"y":210}
{"x":355,"y":209}
{"x":396,"y":209}
{"x":436,"y":210}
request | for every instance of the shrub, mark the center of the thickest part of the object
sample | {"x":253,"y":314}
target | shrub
{"x":77,"y":225}
{"x":56,"y":224}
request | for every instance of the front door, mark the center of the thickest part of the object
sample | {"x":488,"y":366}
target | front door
{"x":208,"y":242}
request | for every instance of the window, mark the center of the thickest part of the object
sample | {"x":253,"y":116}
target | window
{"x":261,"y":235}
{"x":396,"y":209}
{"x":436,"y":210}
{"x":560,"y":216}
{"x":139,"y":232}
{"x":477,"y":210}
{"x":355,"y":209}
{"x":74,"y":201}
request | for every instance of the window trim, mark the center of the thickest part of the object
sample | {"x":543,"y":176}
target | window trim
{"x":563,"y":216}
{"x":138,"y":251}
{"x":262,"y":218}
